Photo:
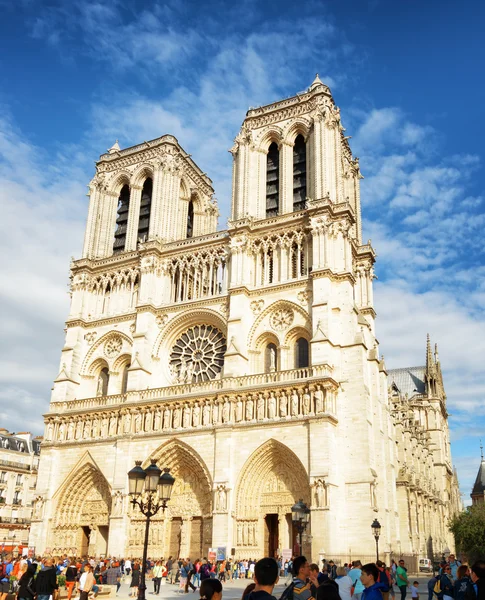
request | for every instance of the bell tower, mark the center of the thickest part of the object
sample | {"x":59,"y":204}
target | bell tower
{"x":292,"y":151}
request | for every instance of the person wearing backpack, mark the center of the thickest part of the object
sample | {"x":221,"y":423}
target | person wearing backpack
{"x":383,"y":578}
{"x":354,"y":574}
{"x":26,"y":589}
{"x":300,"y":587}
{"x":443,"y":588}
{"x":266,"y":575}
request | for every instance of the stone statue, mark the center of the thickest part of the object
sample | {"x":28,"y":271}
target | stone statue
{"x":183,"y":371}
{"x":319,"y":400}
{"x":49,"y":432}
{"x":196,"y":416}
{"x":226,"y":411}
{"x":249,"y":409}
{"x":272,"y":359}
{"x":186,"y":416}
{"x":251,"y":534}
{"x":112,"y":425}
{"x":118,"y":503}
{"x":239,"y":534}
{"x":99,"y":389}
{"x":260,"y":407}
{"x":95,"y":428}
{"x":158,"y":419}
{"x":70,"y":431}
{"x":176,"y":417}
{"x":39,"y":507}
{"x":79,"y":429}
{"x":127,"y":423}
{"x":190,"y":372}
{"x":239,"y":409}
{"x":215,"y":413}
{"x":166,"y":418}
{"x":148,"y":421}
{"x":221,"y":498}
{"x":271,"y":405}
{"x":137,"y":421}
{"x":87,"y":429}
{"x":294,"y":403}
{"x":306,"y":400}
{"x":206,"y":414}
{"x":319,"y":493}
{"x":245,"y":533}
{"x":104,"y":427}
{"x":283,"y":404}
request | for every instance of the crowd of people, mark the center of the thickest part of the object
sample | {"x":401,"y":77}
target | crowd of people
{"x":40,"y":579}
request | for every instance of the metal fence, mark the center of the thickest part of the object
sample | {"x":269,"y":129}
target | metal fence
{"x":410,"y":560}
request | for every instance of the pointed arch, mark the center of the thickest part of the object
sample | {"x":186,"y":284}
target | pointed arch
{"x":272,"y":479}
{"x":90,"y":362}
{"x":85,"y":497}
{"x":262,"y":323}
{"x":192,"y":493}
{"x":142,"y":173}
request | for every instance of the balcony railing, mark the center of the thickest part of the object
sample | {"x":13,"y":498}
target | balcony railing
{"x":14,"y":464}
{"x":14,"y":520}
{"x":188,"y":389}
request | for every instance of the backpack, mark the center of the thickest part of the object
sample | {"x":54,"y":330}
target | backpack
{"x":437,"y":588}
{"x":2,"y":570}
{"x":384,"y":580}
{"x":288,"y":592}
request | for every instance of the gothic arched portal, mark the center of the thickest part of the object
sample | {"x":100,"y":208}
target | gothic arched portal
{"x":82,"y":513}
{"x":271,"y":481}
{"x":186,"y":527}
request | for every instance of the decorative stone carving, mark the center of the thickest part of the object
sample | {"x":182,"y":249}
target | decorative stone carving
{"x":303,"y":297}
{"x":281,"y":319}
{"x":256,"y":306}
{"x":90,"y":337}
{"x":318,"y":398}
{"x":198,"y":355}
{"x":221,"y":498}
{"x":117,"y":504}
{"x":113,"y":345}
{"x":161,"y":320}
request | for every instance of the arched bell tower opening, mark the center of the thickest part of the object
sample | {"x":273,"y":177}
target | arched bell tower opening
{"x":122,"y":220}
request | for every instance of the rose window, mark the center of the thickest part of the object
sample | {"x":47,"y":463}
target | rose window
{"x":113,"y":346}
{"x":281,"y":319}
{"x":198,"y":354}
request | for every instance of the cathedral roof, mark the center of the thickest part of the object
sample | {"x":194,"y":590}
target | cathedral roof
{"x":408,"y":381}
{"x":479,"y":487}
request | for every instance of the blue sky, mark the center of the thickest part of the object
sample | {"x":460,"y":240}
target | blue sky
{"x":408,"y":76}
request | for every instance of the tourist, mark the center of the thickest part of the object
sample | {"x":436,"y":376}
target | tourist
{"x":454,"y":564}
{"x":402,"y":579}
{"x":190,"y":572}
{"x":266,"y":575}
{"x":383,"y":579}
{"x":71,"y":576}
{"x":204,"y":571}
{"x":328,"y":591}
{"x":301,"y":573}
{"x":354,"y":574}
{"x":46,"y":582}
{"x":332,"y":569}
{"x":369,"y":578}
{"x":113,"y":578}
{"x":210,"y":589}
{"x":415,"y":590}
{"x":445,"y":583}
{"x":247,"y":591}
{"x":157,"y":575}
{"x":344,"y":583}
{"x":477,"y":575}
{"x":316,"y":575}
{"x":184,"y":574}
{"x":127,"y":566}
{"x":461,"y":583}
{"x":86,"y":582}
{"x":135,"y":580}
{"x":26,"y":587}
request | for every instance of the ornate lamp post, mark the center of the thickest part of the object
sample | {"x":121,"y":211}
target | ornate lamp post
{"x":300,"y":515}
{"x":150,"y":490}
{"x":376,"y":530}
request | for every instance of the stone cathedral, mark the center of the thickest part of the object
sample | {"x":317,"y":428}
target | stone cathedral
{"x":244,"y":360}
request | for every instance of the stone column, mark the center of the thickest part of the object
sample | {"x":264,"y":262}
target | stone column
{"x":156,"y":223}
{"x":133,"y":218}
{"x":92,"y":222}
{"x":286,"y":178}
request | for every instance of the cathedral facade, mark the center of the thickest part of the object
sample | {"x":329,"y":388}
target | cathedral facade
{"x":244,"y":360}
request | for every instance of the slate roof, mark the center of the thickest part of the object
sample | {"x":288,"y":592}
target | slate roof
{"x":479,"y":486}
{"x":408,"y":381}
{"x":18,"y":444}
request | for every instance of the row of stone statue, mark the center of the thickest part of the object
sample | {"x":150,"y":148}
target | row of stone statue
{"x":270,"y":405}
{"x":246,"y":533}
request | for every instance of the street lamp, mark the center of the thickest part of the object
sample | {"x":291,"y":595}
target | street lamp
{"x":300,"y":515}
{"x":376,"y":530}
{"x":150,"y":490}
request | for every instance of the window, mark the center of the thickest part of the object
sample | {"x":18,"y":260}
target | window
{"x":124,"y":379}
{"x":271,"y":359}
{"x":19,"y":480}
{"x":301,"y":353}
{"x":103,"y":381}
{"x":145,"y":208}
{"x":16,"y":499}
{"x":3,"y":477}
{"x":190,"y":219}
{"x":299,"y":174}
{"x":122,"y":220}
{"x":272,"y":181}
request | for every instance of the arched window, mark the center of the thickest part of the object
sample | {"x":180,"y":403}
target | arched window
{"x":302,"y":358}
{"x":271,"y":358}
{"x":103,"y":381}
{"x":297,"y":256}
{"x":124,"y":379}
{"x":272,"y":181}
{"x":299,"y":174}
{"x":190,"y":219}
{"x":145,"y":208}
{"x":122,"y":220}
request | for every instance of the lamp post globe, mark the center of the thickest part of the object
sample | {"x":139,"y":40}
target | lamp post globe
{"x":376,"y":530}
{"x":300,"y":515}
